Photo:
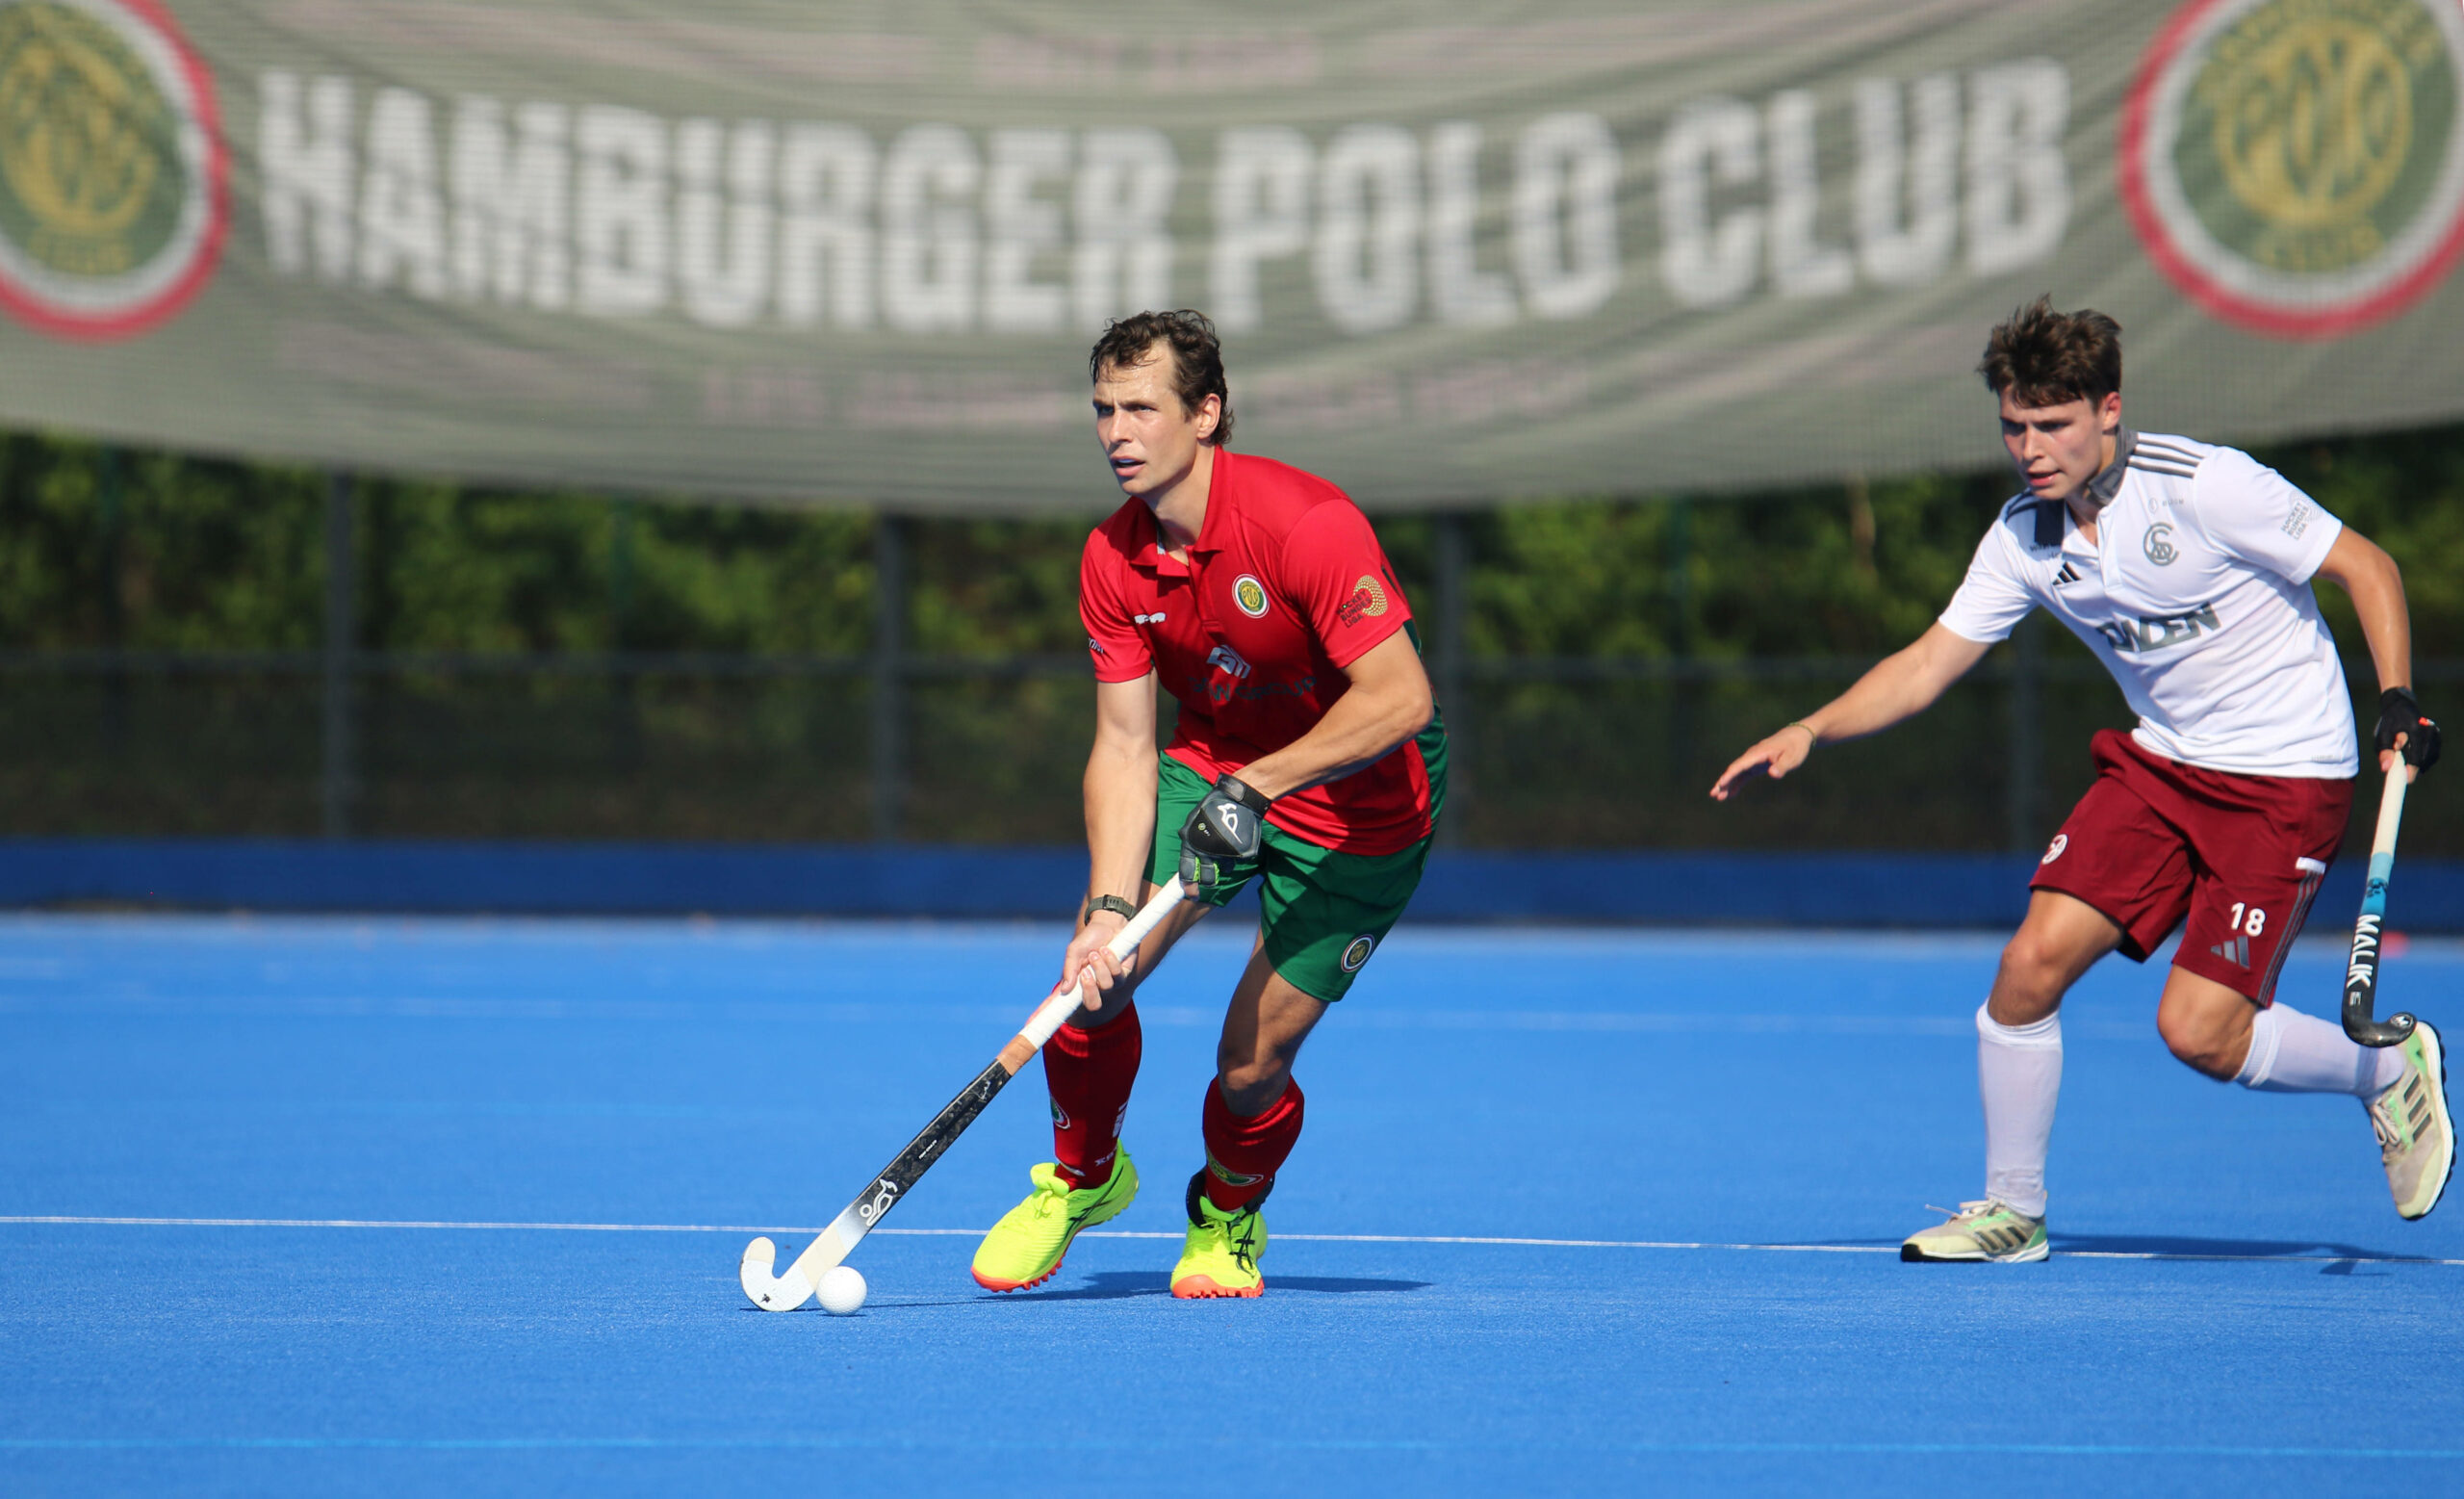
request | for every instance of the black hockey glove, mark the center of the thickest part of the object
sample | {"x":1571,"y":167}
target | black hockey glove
{"x":1220,"y":841}
{"x":2398,"y":713}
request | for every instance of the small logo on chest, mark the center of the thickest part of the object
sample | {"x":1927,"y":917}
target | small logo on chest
{"x":1227,"y":659}
{"x":2159,"y":545}
{"x":1250,"y":596}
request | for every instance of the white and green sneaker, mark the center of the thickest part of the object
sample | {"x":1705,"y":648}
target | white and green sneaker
{"x":1987,"y":1230}
{"x":2415,"y":1137}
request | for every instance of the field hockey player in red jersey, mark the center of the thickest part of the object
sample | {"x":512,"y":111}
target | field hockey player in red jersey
{"x":1306,"y":755}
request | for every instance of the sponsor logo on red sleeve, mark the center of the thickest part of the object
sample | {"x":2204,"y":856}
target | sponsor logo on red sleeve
{"x":1368,"y":601}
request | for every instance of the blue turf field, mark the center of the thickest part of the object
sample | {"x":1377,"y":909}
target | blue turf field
{"x":2227,"y":1319}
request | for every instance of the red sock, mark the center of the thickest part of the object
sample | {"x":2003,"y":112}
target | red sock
{"x":1089,"y":1073}
{"x":1244,"y":1154}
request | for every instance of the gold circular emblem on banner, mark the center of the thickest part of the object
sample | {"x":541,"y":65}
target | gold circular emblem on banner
{"x":89,"y":164}
{"x":2298,"y":164}
{"x":110,"y":166}
{"x":2313,"y":124}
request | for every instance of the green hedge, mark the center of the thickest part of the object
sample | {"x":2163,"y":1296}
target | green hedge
{"x":166,"y":553}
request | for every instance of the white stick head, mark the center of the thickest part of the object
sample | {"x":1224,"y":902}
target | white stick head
{"x":770,"y":1293}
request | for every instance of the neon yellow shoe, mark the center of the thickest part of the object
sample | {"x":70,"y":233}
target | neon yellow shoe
{"x":1026,"y":1247}
{"x":1220,"y":1257}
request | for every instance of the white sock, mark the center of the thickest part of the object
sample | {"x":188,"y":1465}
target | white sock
{"x":2019,"y":1071}
{"x":2292,"y":1052}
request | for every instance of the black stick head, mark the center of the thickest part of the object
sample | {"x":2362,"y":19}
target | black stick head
{"x":2392,"y":1031}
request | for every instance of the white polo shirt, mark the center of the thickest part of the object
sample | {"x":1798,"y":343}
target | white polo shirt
{"x":2195,"y":596}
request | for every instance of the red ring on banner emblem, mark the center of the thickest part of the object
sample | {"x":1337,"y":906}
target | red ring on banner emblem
{"x":2235,"y":304}
{"x":167,"y":293}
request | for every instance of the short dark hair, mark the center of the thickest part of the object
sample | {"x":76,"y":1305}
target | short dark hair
{"x":2047,"y":358}
{"x":1198,"y":358}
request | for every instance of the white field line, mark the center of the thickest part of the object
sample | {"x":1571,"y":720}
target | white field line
{"x":81,"y":1219}
{"x":414,"y":1007}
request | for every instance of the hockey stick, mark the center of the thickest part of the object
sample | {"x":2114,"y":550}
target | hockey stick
{"x":788,"y":1292}
{"x":2361,"y":973}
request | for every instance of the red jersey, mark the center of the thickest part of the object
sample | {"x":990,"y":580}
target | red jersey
{"x":1285,"y":585}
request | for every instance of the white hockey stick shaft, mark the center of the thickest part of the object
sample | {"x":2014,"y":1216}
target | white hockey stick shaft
{"x":785,"y":1293}
{"x":1055,"y":1011}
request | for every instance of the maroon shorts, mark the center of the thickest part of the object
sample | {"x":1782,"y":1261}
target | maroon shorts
{"x":2242,"y":855}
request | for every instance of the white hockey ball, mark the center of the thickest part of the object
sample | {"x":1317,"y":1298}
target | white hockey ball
{"x":841,"y":1290}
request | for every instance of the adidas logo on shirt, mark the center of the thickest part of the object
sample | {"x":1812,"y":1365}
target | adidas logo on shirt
{"x":2068,"y":575}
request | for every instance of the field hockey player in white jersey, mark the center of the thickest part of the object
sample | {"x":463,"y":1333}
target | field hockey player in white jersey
{"x":2187,"y":569}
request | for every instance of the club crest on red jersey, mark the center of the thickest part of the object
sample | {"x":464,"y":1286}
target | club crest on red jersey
{"x":1250,"y":596}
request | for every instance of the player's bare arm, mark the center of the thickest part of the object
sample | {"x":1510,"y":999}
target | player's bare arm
{"x":2363,"y":569}
{"x":1899,"y":687}
{"x":1388,"y":701}
{"x":1120,"y":824}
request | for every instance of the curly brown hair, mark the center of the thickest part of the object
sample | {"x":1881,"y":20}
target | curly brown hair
{"x":1198,"y":358}
{"x":2047,"y":358}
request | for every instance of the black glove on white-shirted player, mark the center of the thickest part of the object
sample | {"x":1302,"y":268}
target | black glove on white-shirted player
{"x":1221,"y":840}
{"x":2398,"y":713}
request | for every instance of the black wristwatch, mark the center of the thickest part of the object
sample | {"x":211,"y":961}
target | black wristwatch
{"x":1106,"y":903}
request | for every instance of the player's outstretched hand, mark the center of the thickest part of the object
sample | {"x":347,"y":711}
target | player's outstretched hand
{"x":1774,"y":757}
{"x":2403,"y":730}
{"x":1089,"y":962}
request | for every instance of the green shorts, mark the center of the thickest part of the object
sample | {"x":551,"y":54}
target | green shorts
{"x":1324,"y":912}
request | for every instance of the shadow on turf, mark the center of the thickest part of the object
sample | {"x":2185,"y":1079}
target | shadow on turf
{"x":2339,"y":1258}
{"x":2334,"y":1259}
{"x":1112,"y":1285}
{"x":1105,"y":1285}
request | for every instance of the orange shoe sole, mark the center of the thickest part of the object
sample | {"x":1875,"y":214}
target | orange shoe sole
{"x":1203,"y":1289}
{"x":991,"y":1283}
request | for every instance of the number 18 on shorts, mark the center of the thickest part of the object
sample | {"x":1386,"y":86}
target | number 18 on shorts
{"x":2235,"y":860}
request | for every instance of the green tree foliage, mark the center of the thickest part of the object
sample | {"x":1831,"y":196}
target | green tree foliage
{"x":1853,"y":569}
{"x":157,"y":550}
{"x":219,"y":555}
{"x":177,"y":555}
{"x":491,"y":570}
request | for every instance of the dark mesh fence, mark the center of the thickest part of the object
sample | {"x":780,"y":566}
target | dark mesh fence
{"x":1549,"y":752}
{"x":655,"y":753}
